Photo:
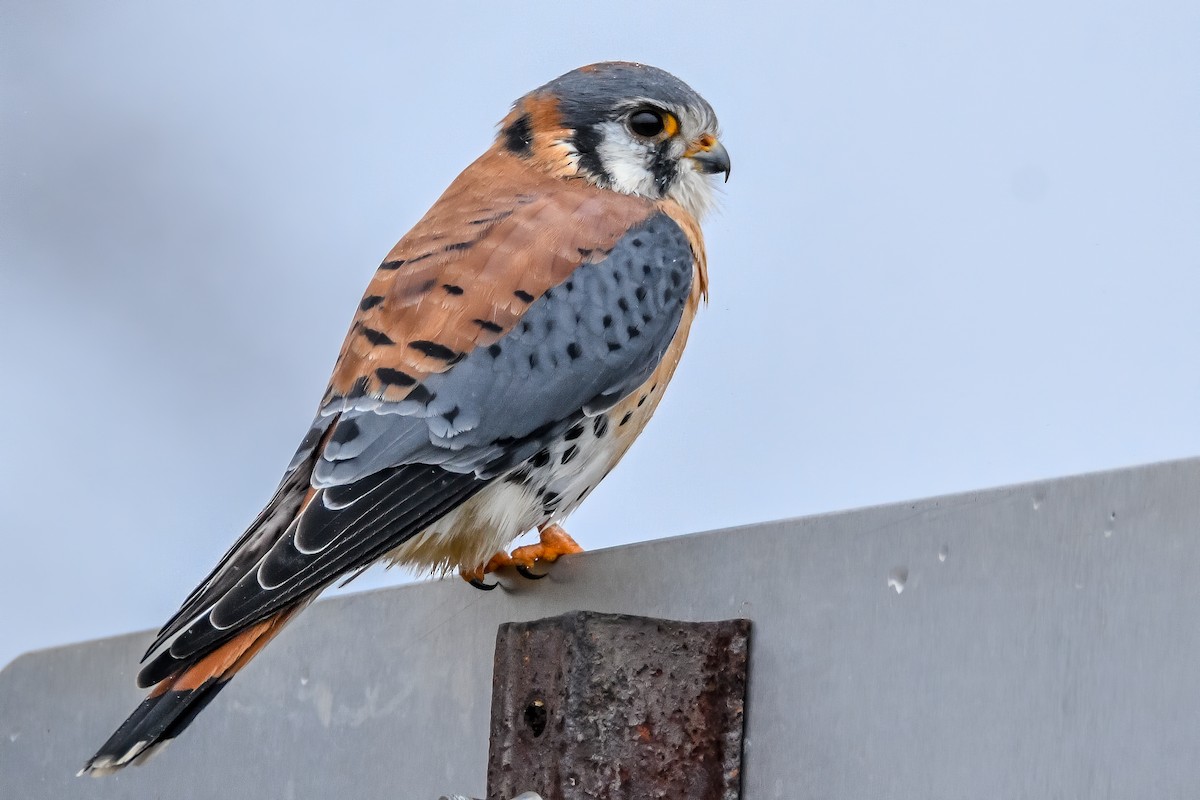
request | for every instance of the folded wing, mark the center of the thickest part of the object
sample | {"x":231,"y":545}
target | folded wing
{"x":498,"y":322}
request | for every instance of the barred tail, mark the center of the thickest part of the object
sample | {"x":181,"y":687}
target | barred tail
{"x":174,"y":702}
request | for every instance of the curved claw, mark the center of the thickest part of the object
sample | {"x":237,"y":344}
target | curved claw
{"x":484,"y":587}
{"x":526,"y":572}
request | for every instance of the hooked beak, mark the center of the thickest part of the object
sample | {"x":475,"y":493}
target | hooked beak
{"x":709,"y":156}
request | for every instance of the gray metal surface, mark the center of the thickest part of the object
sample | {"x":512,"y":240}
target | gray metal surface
{"x":1044,"y":645}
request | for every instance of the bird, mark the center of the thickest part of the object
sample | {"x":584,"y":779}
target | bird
{"x":504,"y":357}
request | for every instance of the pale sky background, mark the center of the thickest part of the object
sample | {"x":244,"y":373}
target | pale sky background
{"x":960,"y":248}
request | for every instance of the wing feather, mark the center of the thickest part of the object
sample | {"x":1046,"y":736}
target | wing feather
{"x":504,"y":317}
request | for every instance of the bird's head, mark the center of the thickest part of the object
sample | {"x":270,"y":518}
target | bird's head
{"x":627,"y":127}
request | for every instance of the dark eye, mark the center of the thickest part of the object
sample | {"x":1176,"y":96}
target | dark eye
{"x":647,"y":122}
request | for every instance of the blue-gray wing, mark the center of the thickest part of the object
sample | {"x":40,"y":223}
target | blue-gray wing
{"x":579,"y":348}
{"x":382,"y":471}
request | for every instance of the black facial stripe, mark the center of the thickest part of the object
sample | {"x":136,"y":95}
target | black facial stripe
{"x":518,"y":137}
{"x":663,"y":168}
{"x":587,"y":141}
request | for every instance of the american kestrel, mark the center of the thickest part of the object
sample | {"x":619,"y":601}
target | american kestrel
{"x":506,"y":354}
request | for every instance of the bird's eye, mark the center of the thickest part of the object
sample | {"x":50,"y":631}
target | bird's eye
{"x":647,"y":122}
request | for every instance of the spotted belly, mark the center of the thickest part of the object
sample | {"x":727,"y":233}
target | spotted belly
{"x":546,"y":488}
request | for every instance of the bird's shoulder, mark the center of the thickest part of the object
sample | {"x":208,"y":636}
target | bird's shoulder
{"x":500,"y":236}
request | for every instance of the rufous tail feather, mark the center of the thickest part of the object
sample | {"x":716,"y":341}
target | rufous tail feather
{"x":174,"y":702}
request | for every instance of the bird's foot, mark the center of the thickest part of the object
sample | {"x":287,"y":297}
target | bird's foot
{"x":475,"y":576}
{"x":555,"y":542}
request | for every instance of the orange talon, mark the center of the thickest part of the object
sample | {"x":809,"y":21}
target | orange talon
{"x":555,"y":542}
{"x":496,"y":562}
{"x":475,"y":576}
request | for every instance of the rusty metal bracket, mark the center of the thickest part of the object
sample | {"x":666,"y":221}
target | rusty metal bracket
{"x":616,"y":707}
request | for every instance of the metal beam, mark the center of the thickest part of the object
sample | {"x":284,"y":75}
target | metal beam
{"x":1030,"y":641}
{"x":590,"y":706}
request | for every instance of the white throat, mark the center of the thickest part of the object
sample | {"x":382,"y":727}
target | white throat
{"x":693,"y":190}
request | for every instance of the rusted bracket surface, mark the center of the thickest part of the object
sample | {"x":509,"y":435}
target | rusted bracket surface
{"x":616,"y":707}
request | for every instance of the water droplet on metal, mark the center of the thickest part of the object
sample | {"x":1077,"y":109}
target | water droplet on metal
{"x":1038,"y":499}
{"x":897,"y":578}
{"x":944,"y":553}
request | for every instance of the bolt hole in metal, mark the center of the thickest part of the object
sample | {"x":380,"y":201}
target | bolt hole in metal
{"x":536,"y":716}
